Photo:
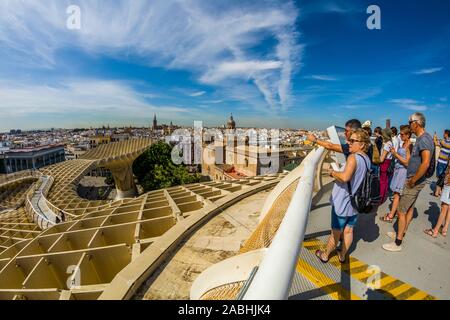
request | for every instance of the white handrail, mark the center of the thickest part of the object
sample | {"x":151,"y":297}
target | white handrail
{"x":275,"y":274}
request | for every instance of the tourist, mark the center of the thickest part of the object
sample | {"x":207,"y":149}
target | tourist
{"x":374,"y":158}
{"x":444,"y":156}
{"x":367,"y":124}
{"x":368,"y":130}
{"x":343,"y":214}
{"x":378,"y":138}
{"x":341,"y":148}
{"x":444,"y":217}
{"x":386,"y":159}
{"x":396,"y":139}
{"x":402,"y":156}
{"x":416,"y":179}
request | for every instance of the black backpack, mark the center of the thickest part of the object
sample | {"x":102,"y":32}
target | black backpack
{"x":368,"y":194}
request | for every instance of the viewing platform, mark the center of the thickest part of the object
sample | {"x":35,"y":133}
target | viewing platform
{"x":252,"y":238}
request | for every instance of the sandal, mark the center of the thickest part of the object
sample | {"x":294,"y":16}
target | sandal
{"x":430,"y":232}
{"x":319,"y":255}
{"x":387,"y":218}
{"x":342,"y":261}
{"x":444,"y":233}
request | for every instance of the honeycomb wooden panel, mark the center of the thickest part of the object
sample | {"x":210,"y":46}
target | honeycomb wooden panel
{"x":98,"y":238}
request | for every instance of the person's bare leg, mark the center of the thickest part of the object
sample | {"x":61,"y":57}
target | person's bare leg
{"x":395,"y":203}
{"x":332,"y":243}
{"x":347,"y":243}
{"x":438,"y":191}
{"x":401,"y":225}
{"x":441,"y":220}
{"x":447,"y":219}
{"x":409,"y":217}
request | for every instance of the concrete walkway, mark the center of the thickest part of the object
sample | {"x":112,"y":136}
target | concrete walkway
{"x":40,"y":206}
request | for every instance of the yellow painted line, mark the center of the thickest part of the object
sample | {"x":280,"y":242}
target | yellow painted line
{"x":362,"y":274}
{"x":322,"y":281}
{"x":359,"y":271}
{"x":400,"y":289}
{"x":384,"y":282}
{"x":418,"y":296}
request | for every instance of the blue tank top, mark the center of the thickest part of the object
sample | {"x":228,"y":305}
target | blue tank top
{"x":402,"y":153}
{"x":340,"y":197}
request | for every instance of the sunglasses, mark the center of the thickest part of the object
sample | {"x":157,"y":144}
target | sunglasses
{"x":351,"y":141}
{"x":411,"y":122}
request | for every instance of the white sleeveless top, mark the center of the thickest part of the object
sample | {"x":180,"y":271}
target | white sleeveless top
{"x":340,"y":197}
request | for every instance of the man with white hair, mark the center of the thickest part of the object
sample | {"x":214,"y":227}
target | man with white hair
{"x":367,"y":124}
{"x":419,"y":163}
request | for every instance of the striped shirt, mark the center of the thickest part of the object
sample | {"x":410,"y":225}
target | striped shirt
{"x":445,"y":151}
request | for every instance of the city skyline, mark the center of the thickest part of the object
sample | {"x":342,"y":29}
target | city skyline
{"x":272,"y":64}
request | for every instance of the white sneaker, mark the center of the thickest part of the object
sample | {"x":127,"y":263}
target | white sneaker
{"x":392,"y":247}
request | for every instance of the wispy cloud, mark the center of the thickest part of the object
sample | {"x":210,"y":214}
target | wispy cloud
{"x":214,"y":101}
{"x":428,"y":71}
{"x":322,"y":78}
{"x":355,"y":107}
{"x":340,"y":7}
{"x":112,"y":98}
{"x":212,"y":42}
{"x":240,"y":69}
{"x":410,"y":104}
{"x":198,"y":94}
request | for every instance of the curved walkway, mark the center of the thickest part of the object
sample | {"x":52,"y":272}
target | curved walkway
{"x":39,"y":205}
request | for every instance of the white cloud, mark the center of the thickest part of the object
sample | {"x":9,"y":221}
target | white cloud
{"x":198,"y":94}
{"x":428,"y":71}
{"x":322,"y":78}
{"x":214,"y":101}
{"x":108,"y":98}
{"x":410,"y":104}
{"x":212,"y":42}
{"x":240,"y":69}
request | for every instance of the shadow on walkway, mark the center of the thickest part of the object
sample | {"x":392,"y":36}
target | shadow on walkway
{"x":366,"y":230}
{"x":433,"y":213}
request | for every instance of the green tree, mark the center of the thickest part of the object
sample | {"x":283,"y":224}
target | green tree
{"x":155,"y":170}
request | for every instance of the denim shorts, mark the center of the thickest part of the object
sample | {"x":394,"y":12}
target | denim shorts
{"x":440,"y":168}
{"x":340,"y":223}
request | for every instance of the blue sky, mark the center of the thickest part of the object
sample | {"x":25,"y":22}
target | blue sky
{"x":298,"y":64}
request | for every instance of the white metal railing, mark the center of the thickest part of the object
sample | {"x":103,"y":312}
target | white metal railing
{"x":274,"y":277}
